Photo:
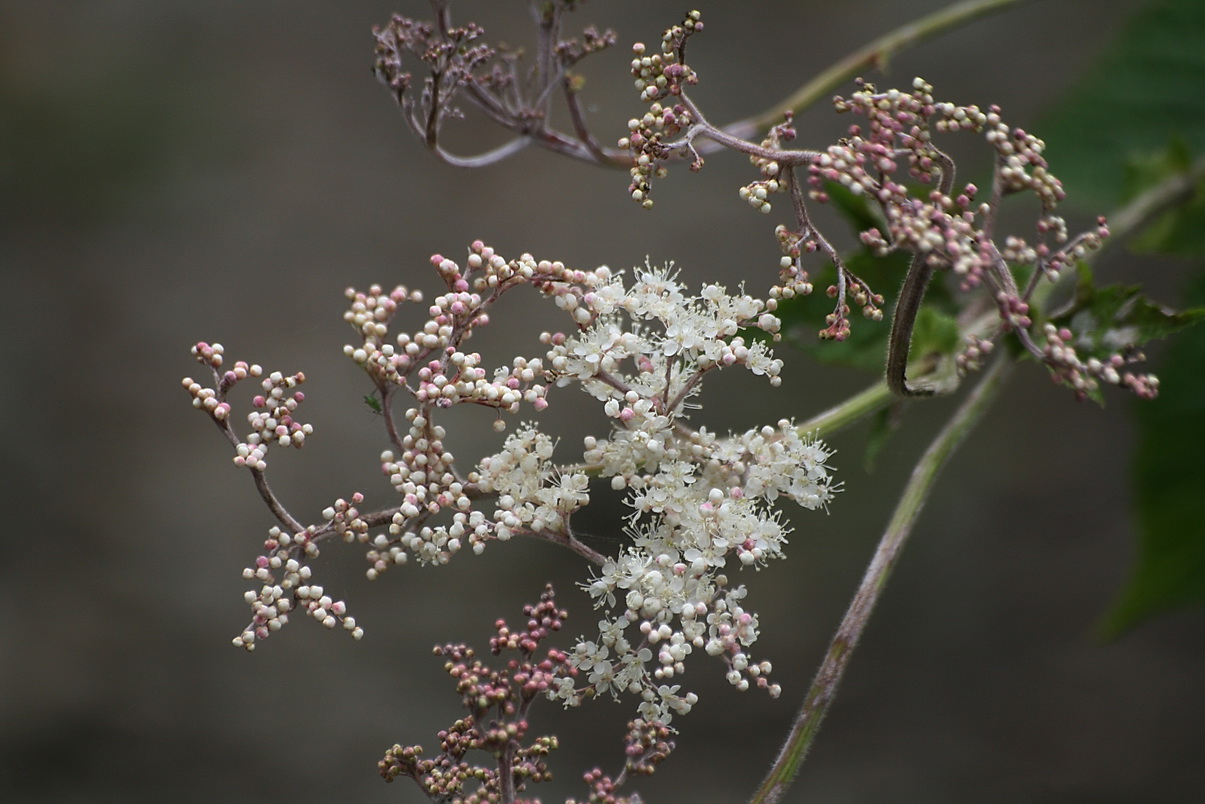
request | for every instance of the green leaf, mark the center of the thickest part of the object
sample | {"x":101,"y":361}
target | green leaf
{"x":1169,"y":480}
{"x":856,"y":209}
{"x":1117,"y":319}
{"x":935,"y":333}
{"x":1180,"y":231}
{"x":1109,"y":319}
{"x":1145,"y":92}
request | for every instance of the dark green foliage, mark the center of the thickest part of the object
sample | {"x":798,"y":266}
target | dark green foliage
{"x":1169,"y":486}
{"x":1148,"y":90}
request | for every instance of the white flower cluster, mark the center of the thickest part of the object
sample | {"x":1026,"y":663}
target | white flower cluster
{"x":670,"y":338}
{"x":697,"y":500}
{"x":533,"y":496}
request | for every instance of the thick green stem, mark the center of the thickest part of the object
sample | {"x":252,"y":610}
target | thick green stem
{"x":850,"y":411}
{"x":824,"y":688}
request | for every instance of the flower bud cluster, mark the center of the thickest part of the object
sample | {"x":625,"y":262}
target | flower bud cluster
{"x":461,"y":68}
{"x":213,"y":400}
{"x":452,"y":56}
{"x":943,"y":227}
{"x":793,"y":279}
{"x":837,"y":326}
{"x":1084,"y":376}
{"x":757,"y":193}
{"x":286,"y":582}
{"x":949,"y":229}
{"x":647,"y":746}
{"x":497,"y":702}
{"x":660,"y":78}
{"x":430,"y":363}
{"x":661,"y":75}
{"x":431,"y":367}
{"x":1020,"y":164}
{"x":971,"y":358}
{"x":272,"y":421}
{"x":571,"y":51}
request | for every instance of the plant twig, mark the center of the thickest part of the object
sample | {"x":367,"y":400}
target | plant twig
{"x":874,"y":54}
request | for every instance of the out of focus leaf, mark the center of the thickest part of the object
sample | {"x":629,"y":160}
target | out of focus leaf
{"x":1138,"y":118}
{"x":1180,"y":231}
{"x":866,"y":346}
{"x":935,"y":333}
{"x":1146,"y":92}
{"x":1169,"y":481}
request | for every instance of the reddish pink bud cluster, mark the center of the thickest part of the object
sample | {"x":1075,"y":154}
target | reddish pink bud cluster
{"x":498,"y":702}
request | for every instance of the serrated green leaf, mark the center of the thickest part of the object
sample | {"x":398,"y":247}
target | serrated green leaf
{"x":1110,"y":319}
{"x":1169,"y":477}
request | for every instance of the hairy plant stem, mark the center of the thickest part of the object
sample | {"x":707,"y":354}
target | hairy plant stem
{"x":824,"y":689}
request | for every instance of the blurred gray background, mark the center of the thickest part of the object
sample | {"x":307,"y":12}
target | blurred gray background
{"x":175,"y":171}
